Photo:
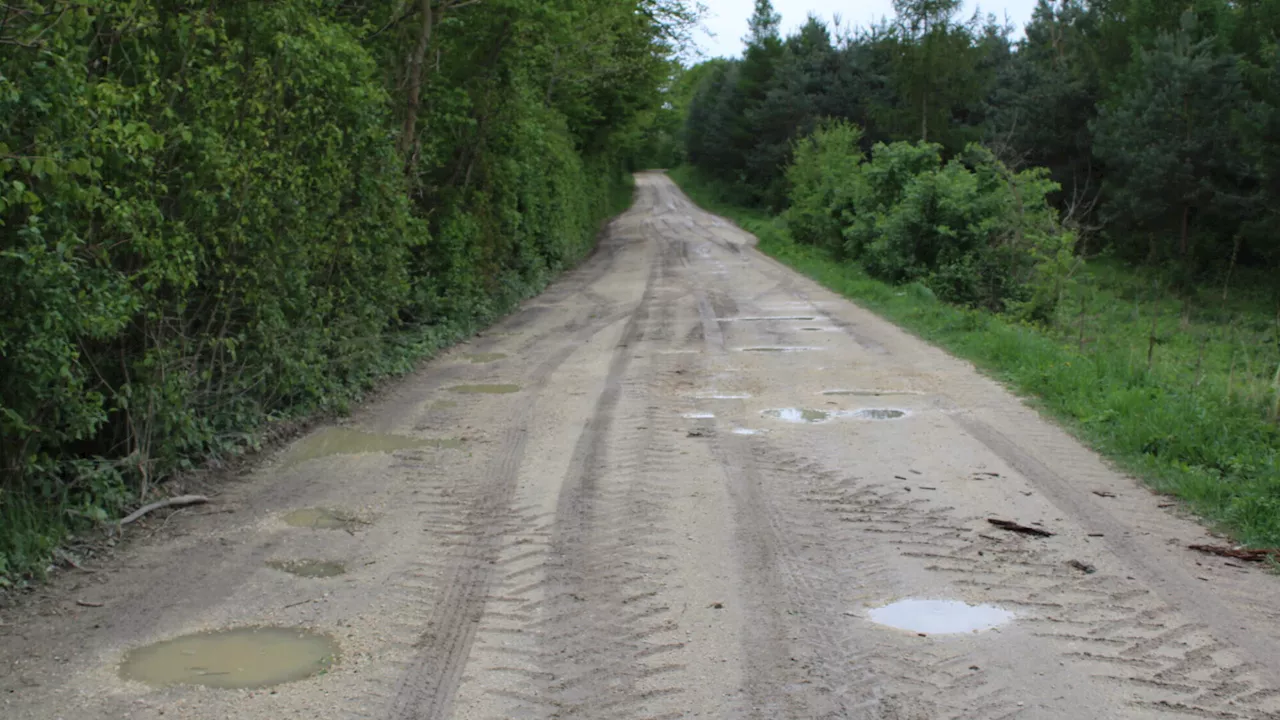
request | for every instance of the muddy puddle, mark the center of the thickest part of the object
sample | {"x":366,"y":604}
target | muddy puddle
{"x":765,"y":318}
{"x":345,"y":441}
{"x":482,"y":358}
{"x":868,"y":393}
{"x":495,"y":389}
{"x":877,"y":414}
{"x":309,"y":568}
{"x":939,"y":617}
{"x":232,"y":659}
{"x":323,"y":519}
{"x":798,"y":415}
{"x":811,"y":415}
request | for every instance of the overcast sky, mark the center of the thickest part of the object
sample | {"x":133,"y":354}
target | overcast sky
{"x":727,"y":19}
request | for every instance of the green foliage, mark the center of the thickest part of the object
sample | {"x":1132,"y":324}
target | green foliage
{"x":216,"y":216}
{"x":1174,"y":160}
{"x":826,"y":182}
{"x":972,"y":230}
{"x":1197,"y":424}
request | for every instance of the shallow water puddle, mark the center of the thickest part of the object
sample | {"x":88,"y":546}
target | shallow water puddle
{"x":779,"y":349}
{"x":939,"y":617}
{"x":345,"y":441}
{"x":309,"y":568}
{"x":699,"y":415}
{"x":232,"y":659}
{"x":322,"y":519}
{"x":877,"y":414}
{"x":485,"y":389}
{"x":723,"y":396}
{"x":746,"y":431}
{"x":869,"y":393}
{"x":480,"y":358}
{"x":798,"y":415}
{"x":762,"y":318}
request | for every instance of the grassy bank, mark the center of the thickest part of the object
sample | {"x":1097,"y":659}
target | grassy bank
{"x":1183,"y":394}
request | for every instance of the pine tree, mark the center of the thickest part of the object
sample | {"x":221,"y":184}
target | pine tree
{"x":1173,"y":155}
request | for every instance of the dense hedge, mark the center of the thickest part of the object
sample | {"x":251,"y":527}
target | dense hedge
{"x":209,"y":218}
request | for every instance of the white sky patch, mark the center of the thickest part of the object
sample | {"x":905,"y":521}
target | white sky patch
{"x":727,"y":19}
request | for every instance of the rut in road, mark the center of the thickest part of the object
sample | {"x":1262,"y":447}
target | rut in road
{"x":639,"y":532}
{"x":812,"y":547}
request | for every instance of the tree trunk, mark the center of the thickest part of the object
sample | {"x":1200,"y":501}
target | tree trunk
{"x":408,"y":134}
{"x":1184,"y":245}
{"x":924,"y":117}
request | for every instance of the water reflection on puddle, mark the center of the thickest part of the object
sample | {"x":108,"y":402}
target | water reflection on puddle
{"x":309,"y":568}
{"x":779,"y":349}
{"x":798,"y":415}
{"x":868,"y":393}
{"x":322,"y":519}
{"x":877,"y":414}
{"x":239,"y":658}
{"x":345,"y":441}
{"x":939,"y":617}
{"x":485,"y":389}
{"x":761,"y":318}
{"x":480,"y":358}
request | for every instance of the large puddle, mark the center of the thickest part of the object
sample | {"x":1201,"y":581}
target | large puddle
{"x":799,"y":415}
{"x":485,"y":389}
{"x":939,"y":617}
{"x":309,"y":568}
{"x":232,"y":659}
{"x":345,"y":441}
{"x":322,"y":519}
{"x":481,"y":358}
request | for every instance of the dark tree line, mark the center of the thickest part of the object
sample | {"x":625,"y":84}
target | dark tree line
{"x":1158,"y":119}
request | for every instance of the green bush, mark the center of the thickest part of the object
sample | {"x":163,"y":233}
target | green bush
{"x":975,"y":232}
{"x":826,"y":181}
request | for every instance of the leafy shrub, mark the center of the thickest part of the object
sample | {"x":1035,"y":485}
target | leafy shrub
{"x":975,"y":232}
{"x":825,"y":180}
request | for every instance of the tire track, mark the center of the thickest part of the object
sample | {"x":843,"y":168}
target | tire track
{"x":462,"y":585}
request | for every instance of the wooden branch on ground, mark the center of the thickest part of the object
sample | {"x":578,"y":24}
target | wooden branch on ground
{"x":180,"y":501}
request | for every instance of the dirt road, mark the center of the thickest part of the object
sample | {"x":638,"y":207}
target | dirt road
{"x":675,"y":485}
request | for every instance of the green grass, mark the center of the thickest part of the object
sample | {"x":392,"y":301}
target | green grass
{"x":1198,"y":424}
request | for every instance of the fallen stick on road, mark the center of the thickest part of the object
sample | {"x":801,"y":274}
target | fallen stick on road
{"x":1015,"y":527}
{"x":1238,"y":553}
{"x":180,"y":501}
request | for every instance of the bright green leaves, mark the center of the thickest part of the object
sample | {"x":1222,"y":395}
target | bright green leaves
{"x":971,"y":229}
